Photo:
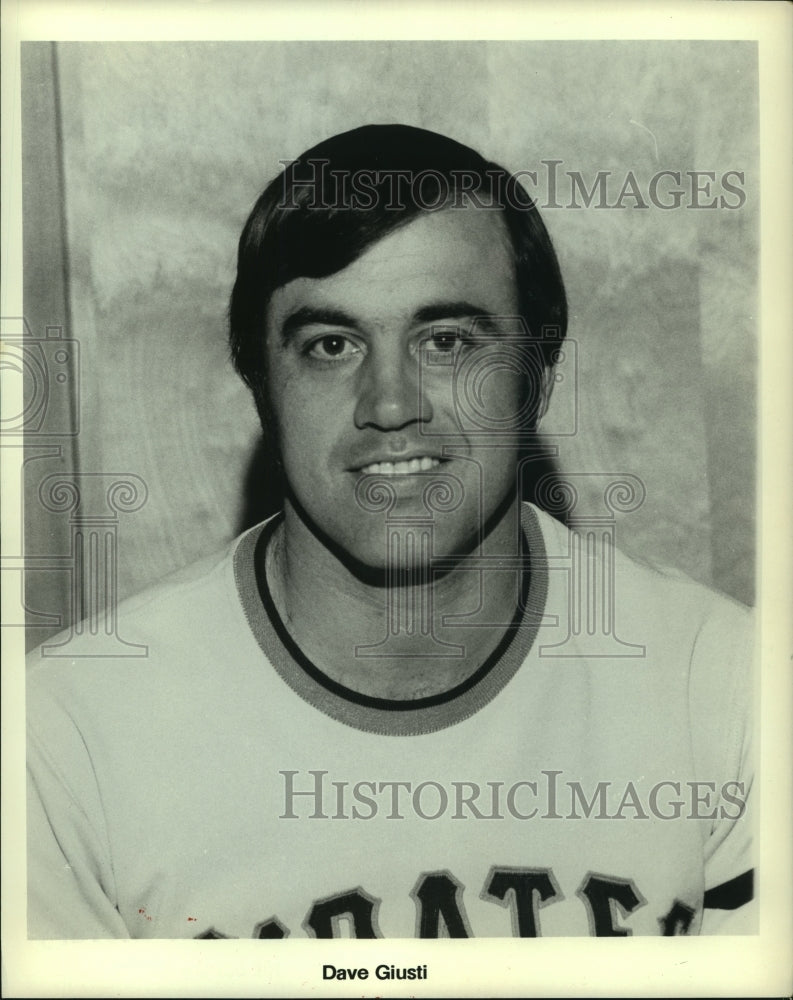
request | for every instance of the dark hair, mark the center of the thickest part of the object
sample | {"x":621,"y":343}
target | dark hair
{"x":341,"y":196}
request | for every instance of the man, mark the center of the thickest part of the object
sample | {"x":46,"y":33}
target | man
{"x":379,"y":713}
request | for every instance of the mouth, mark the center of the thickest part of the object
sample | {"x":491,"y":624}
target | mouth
{"x":408,"y":467}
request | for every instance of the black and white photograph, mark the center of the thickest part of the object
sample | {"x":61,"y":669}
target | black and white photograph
{"x":388,"y":439}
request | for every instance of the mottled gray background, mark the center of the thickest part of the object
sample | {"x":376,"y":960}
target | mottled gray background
{"x":142,"y":160}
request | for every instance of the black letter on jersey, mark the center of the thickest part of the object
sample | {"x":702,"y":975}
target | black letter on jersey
{"x":677,"y":921}
{"x":358,"y":906}
{"x":439,"y":895}
{"x":600,"y":892}
{"x":531,"y":888}
{"x":270,"y":929}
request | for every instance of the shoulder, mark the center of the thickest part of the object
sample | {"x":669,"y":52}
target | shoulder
{"x":173,"y":629}
{"x":639,"y":588}
{"x":695,"y":646}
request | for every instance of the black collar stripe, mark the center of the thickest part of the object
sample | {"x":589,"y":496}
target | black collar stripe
{"x":382,"y":715}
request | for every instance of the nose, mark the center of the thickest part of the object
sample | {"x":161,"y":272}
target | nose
{"x":389,"y":391}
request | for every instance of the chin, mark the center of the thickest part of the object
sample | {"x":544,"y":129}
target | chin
{"x":409,"y":553}
{"x":375,"y":555}
{"x":376,"y":543}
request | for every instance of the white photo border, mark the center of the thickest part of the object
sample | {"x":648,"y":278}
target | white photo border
{"x":749,"y":966}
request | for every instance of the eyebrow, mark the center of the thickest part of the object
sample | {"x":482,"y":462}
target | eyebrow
{"x":312,"y":316}
{"x":459,"y":309}
{"x":321,"y":316}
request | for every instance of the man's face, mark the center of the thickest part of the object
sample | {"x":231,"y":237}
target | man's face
{"x":382,"y":385}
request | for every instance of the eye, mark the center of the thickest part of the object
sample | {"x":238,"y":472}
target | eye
{"x":444,"y":340}
{"x":332,"y":347}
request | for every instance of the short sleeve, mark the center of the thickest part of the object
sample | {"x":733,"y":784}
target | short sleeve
{"x":722,"y":712}
{"x":70,"y":878}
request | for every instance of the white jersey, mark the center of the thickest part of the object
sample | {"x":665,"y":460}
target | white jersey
{"x":591,"y":778}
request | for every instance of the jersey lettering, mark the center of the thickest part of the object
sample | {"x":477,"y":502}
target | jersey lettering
{"x":440,"y":912}
{"x":270,"y":929}
{"x":600,"y":895}
{"x":438,"y":897}
{"x":357,"y":907}
{"x":677,"y":921}
{"x":524,"y":890}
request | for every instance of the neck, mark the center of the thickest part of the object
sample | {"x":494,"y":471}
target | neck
{"x":415,"y":635}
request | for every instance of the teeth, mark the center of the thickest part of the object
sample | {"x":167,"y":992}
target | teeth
{"x":422,"y":464}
